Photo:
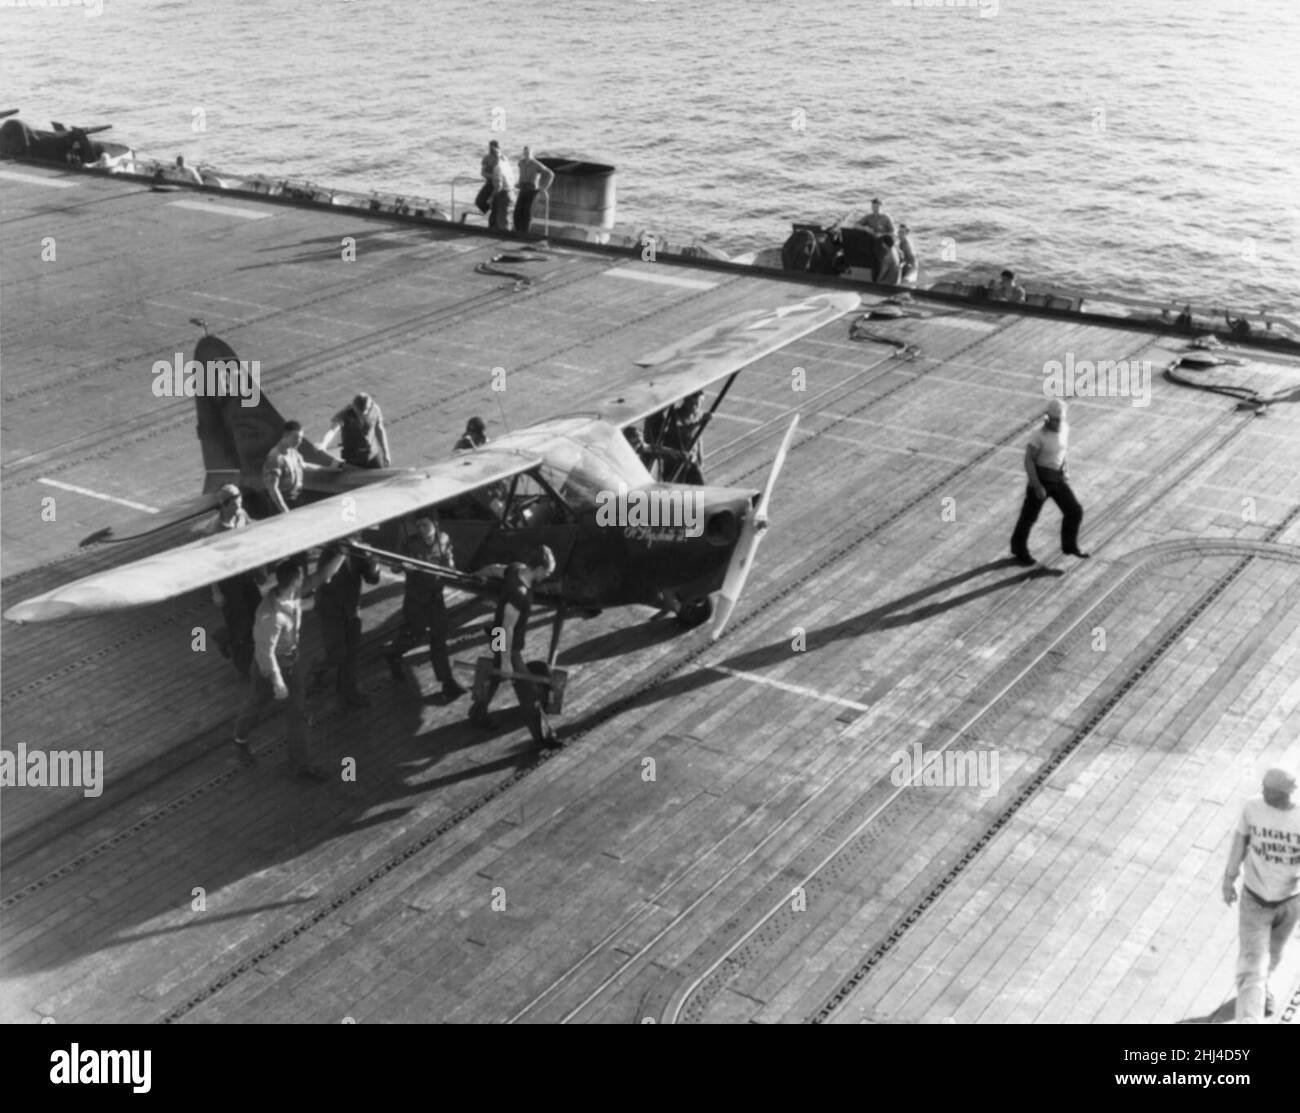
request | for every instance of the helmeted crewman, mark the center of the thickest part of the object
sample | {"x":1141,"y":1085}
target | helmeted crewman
{"x":237,"y":596}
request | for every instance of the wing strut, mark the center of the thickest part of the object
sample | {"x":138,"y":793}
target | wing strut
{"x":467,"y":580}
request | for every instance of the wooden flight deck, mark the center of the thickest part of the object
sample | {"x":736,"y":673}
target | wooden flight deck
{"x":721,"y":836}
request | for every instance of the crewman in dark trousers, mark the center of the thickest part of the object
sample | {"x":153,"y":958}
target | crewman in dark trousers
{"x":1045,"y":467}
{"x":424,"y":610}
{"x":364,"y":439}
{"x":338,"y":607}
{"x":508,"y":633}
{"x":238,"y":596}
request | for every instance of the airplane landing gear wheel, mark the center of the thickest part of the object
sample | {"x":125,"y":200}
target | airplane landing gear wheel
{"x":694,"y":613}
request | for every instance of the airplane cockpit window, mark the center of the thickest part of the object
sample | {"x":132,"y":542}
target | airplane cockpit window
{"x":599,"y":462}
{"x":532,"y":505}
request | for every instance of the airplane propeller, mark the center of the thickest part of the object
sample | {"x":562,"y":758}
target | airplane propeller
{"x":751,"y":533}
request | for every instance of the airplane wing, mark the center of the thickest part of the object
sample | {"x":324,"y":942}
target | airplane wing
{"x":700,"y":360}
{"x":176,"y":571}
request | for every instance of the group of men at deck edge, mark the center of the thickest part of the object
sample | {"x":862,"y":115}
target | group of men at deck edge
{"x":262,"y":633}
{"x":507,"y":184}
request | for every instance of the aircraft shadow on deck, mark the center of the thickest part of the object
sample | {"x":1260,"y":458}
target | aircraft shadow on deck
{"x":623,"y":640}
{"x":264,"y":817}
{"x":898,"y":612}
{"x":902,"y":611}
{"x":331,"y":247}
{"x":406,"y":734}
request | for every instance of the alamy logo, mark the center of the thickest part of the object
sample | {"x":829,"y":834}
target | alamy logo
{"x":112,"y":1067}
{"x":949,"y":769}
{"x":1107,"y":378}
{"x":668,"y":514}
{"x":82,"y":769}
{"x":218,"y":378}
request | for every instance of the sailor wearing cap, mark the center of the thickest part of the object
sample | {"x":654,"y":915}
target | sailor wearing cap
{"x":237,"y":596}
{"x":1045,"y":466}
{"x":1267,"y":839}
{"x":878,"y":222}
{"x":230,"y":510}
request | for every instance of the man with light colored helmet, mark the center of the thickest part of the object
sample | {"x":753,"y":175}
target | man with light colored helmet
{"x":1045,"y":466}
{"x":237,"y":596}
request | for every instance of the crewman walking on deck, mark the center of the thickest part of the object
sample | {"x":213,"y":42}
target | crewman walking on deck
{"x":1045,"y":466}
{"x":364,"y":438}
{"x":424,"y":609}
{"x":1267,"y":839}
{"x":283,"y":472}
{"x":338,"y":607}
{"x":534,"y":177}
{"x":238,"y":596}
{"x":278,"y":670}
{"x":508,"y":633}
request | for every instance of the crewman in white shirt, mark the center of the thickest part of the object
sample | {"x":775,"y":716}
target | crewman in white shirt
{"x":1045,"y":467}
{"x":1267,"y":840}
{"x":278,"y":671}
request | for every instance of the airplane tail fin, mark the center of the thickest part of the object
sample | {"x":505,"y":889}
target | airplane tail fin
{"x":235,"y":437}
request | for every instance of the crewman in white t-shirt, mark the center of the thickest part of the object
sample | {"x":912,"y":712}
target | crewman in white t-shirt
{"x":1268,"y":841}
{"x":1045,"y":467}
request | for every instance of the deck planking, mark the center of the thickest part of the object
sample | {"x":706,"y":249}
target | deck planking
{"x":626,"y":899}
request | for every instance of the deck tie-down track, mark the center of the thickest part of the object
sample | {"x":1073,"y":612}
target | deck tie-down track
{"x":675,"y":1002}
{"x":759,"y":606}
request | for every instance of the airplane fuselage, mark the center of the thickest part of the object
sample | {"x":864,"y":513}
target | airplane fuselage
{"x":618,"y":536}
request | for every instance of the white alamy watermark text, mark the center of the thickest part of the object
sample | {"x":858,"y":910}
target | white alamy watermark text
{"x":1106,"y":378}
{"x":83,"y":769}
{"x":946,"y":769}
{"x":218,"y":378}
{"x":652,"y":514}
{"x":78,"y":1065}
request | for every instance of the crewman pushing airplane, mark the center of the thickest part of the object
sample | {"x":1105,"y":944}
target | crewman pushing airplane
{"x":508,"y":633}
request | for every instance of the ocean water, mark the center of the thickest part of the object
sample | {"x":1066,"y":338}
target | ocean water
{"x":1148,"y":149}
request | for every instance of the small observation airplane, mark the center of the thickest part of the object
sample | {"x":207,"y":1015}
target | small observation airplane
{"x":572,"y":482}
